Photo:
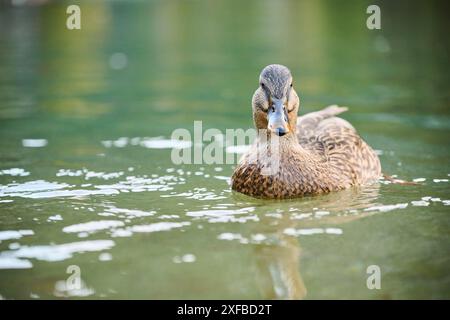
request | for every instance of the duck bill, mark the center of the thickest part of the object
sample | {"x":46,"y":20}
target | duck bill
{"x":277,"y":118}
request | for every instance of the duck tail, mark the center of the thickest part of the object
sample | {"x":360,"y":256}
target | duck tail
{"x":399,"y":181}
{"x":334,"y":110}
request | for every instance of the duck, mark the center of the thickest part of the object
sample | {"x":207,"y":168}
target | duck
{"x":293,"y":156}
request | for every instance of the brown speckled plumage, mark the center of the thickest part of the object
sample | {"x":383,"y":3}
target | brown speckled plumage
{"x":319,"y":153}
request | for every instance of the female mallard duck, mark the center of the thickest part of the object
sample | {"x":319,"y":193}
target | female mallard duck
{"x":291,"y":157}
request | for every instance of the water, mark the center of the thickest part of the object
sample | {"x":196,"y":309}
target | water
{"x":86,"y":178}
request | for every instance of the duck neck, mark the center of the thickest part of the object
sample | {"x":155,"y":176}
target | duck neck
{"x":284,"y":153}
{"x":272,"y":141}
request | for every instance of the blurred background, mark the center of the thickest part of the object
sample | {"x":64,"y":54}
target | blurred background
{"x":72,"y":101}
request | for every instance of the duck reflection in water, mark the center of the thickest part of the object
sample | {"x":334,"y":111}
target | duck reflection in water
{"x":278,"y":263}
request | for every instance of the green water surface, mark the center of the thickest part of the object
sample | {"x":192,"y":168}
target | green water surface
{"x":95,"y":187}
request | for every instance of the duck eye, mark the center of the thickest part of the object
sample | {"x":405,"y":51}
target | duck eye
{"x":262,"y":84}
{"x":291,"y":85}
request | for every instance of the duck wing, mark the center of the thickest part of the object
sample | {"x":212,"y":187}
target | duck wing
{"x":338,"y":144}
{"x":307,"y":125}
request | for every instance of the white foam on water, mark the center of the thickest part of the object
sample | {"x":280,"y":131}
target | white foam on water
{"x":141,"y":184}
{"x":312,"y":231}
{"x":69,"y":173}
{"x":68,"y":193}
{"x":420,"y":203}
{"x":378,"y":152}
{"x":14,"y":172}
{"x":121,"y":233}
{"x":103,"y":175}
{"x":296,"y":232}
{"x":197,"y":194}
{"x":165,"y":144}
{"x":34,"y":143}
{"x":274,"y":215}
{"x":88,"y":174}
{"x":14,"y":234}
{"x":14,"y":263}
{"x":55,"y":218}
{"x":105,"y":256}
{"x":92,"y":226}
{"x":44,"y":189}
{"x":219,"y":213}
{"x":14,"y":245}
{"x":224,"y":215}
{"x":158,"y":226}
{"x":259,"y":237}
{"x":234,"y":219}
{"x":128,"y":213}
{"x":224,"y":178}
{"x":228,"y":236}
{"x":148,"y":228}
{"x":321,"y":213}
{"x":333,"y":231}
{"x":30,"y":186}
{"x":301,"y":216}
{"x":387,"y":208}
{"x":57,"y":252}
{"x":187,"y":258}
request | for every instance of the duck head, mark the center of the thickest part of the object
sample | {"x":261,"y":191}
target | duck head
{"x":275,"y":102}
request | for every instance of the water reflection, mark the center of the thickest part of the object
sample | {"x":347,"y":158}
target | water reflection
{"x":69,"y":56}
{"x":279,"y":273}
